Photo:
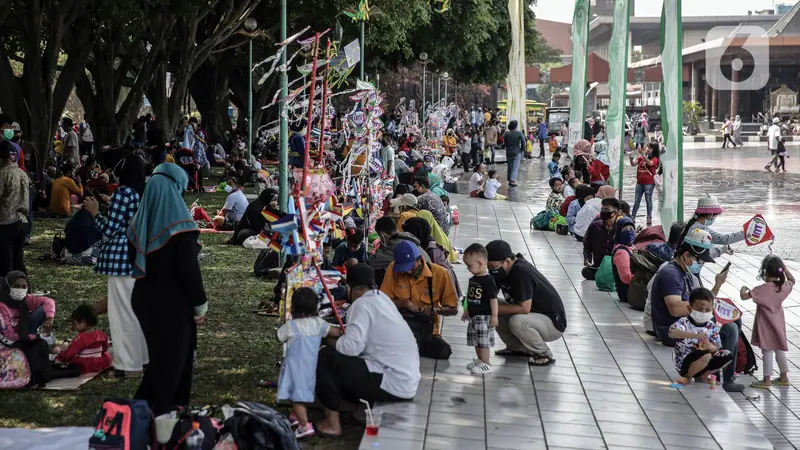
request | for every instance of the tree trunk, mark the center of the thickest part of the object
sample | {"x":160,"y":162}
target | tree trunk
{"x":209,"y":90}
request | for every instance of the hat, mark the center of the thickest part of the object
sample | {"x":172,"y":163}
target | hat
{"x":405,"y":255}
{"x":15,"y":126}
{"x":708,"y":205}
{"x":407,"y":199}
{"x":698,"y":243}
{"x":776,"y":120}
{"x":499,"y":251}
{"x":402,"y":154}
{"x":360,"y":275}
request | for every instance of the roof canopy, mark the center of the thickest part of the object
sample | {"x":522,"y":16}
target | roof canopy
{"x":598,"y":70}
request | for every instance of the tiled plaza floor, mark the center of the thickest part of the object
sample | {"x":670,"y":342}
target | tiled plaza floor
{"x":610,"y":387}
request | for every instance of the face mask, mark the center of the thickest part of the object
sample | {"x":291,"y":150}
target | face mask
{"x":701,"y":317}
{"x":18,"y":294}
{"x":241,"y":145}
{"x":710,"y":222}
{"x":8,"y":134}
{"x":228,"y":188}
{"x":606,"y":215}
{"x":498,"y":273}
{"x":627,"y":237}
{"x":695,"y":268}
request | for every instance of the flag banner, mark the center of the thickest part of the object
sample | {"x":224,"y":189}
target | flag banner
{"x":516,"y":105}
{"x":725,"y":311}
{"x":756,"y":231}
{"x":672,"y":113}
{"x":577,"y":89}
{"x":617,"y":82}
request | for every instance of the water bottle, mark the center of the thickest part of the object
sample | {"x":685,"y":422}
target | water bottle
{"x":194,"y":441}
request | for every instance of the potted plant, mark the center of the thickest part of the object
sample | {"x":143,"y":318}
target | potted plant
{"x":692,"y":113}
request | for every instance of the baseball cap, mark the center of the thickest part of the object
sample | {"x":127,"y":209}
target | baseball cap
{"x":407,"y":199}
{"x":499,"y":250}
{"x":698,"y":243}
{"x":360,"y":275}
{"x":405,"y":255}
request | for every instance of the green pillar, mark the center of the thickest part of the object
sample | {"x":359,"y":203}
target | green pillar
{"x":423,"y":92}
{"x":361,"y":43}
{"x":283,"y":179}
{"x":250,"y":100}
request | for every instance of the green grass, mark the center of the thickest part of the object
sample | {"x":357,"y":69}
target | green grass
{"x":236,"y":348}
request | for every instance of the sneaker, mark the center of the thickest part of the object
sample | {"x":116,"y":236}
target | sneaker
{"x":733,"y":387}
{"x":293,"y":420}
{"x":481,"y":368}
{"x":474,"y":363}
{"x":304,"y":431}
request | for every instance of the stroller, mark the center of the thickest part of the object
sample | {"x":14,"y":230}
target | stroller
{"x":184,"y":157}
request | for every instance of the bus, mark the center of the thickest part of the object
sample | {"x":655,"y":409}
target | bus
{"x":533,"y":111}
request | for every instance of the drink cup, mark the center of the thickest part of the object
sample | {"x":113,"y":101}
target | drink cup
{"x":374,"y":422}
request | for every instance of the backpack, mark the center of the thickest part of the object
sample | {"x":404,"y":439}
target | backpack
{"x":37,"y":353}
{"x":15,"y":373}
{"x":253,"y":426}
{"x":267,"y":259}
{"x":557,"y":220}
{"x":122,"y":424}
{"x":541,"y":221}
{"x":208,"y":426}
{"x":745,"y":357}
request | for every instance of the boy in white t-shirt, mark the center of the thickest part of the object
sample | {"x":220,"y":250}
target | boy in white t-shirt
{"x":491,"y":186}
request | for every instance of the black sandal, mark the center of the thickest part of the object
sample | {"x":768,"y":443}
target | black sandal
{"x":541,"y":361}
{"x":509,"y":352}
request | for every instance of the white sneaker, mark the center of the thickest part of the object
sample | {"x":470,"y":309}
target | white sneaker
{"x":481,"y":368}
{"x":304,"y":431}
{"x":474,"y":363}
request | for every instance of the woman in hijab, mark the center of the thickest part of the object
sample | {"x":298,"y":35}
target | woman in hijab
{"x":168,"y":298}
{"x":253,"y":221}
{"x":421,"y":229}
{"x":624,"y":235}
{"x":21,"y":314}
{"x":582,"y":156}
{"x":130,"y":348}
{"x":438,"y":234}
{"x":599,"y":170}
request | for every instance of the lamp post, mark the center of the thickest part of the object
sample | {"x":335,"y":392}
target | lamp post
{"x":439,"y":94}
{"x":250,"y":26}
{"x":424,"y":58}
{"x":361,"y":44}
{"x":446,"y":77}
{"x":283,"y":164}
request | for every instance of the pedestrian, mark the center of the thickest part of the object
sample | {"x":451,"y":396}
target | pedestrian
{"x":769,"y":329}
{"x":14,"y":205}
{"x":552,"y":167}
{"x":466,"y":149}
{"x":476,"y":149}
{"x":737,"y":131}
{"x":781,"y":156}
{"x":773,"y":136}
{"x":71,"y":150}
{"x":639,"y":136}
{"x":727,"y":130}
{"x":515,"y":144}
{"x":87,"y":140}
{"x":491,"y":138}
{"x":168,"y":298}
{"x":481,"y":308}
{"x":542,"y":136}
{"x":647,"y":163}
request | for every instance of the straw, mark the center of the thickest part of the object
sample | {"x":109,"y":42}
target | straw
{"x":369,"y":412}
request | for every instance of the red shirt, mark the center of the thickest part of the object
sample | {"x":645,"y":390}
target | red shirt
{"x":644,"y":174}
{"x":89,"y":351}
{"x":599,"y":171}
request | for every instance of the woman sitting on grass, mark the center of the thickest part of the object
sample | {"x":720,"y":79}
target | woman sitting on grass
{"x":21,"y":314}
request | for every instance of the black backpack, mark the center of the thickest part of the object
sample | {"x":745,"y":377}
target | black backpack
{"x":267,"y":259}
{"x":254,"y":426}
{"x":37,"y":352}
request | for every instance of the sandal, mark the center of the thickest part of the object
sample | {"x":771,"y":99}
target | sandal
{"x":509,"y":352}
{"x":778,"y":382}
{"x":541,"y":361}
{"x":759,"y":385}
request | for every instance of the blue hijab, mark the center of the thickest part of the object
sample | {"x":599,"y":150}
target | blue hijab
{"x":162,"y":214}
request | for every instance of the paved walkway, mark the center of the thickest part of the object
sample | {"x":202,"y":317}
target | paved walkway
{"x":610,"y":385}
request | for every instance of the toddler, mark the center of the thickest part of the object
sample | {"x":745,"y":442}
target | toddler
{"x":302,"y":336}
{"x":697,"y":350}
{"x":769,"y":328}
{"x":88,"y":351}
{"x":555,"y":199}
{"x":491,"y":186}
{"x":553,"y":166}
{"x":481,"y":308}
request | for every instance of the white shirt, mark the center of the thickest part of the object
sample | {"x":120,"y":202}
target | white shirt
{"x":773,"y":135}
{"x":377,"y":333}
{"x":491,"y":188}
{"x":307,"y":326}
{"x":568,"y":191}
{"x":475,"y":181}
{"x":236,"y":203}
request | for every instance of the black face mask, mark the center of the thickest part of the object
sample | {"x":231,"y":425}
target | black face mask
{"x":606,"y":215}
{"x":498,"y":273}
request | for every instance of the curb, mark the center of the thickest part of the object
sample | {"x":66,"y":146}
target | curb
{"x":744,"y":138}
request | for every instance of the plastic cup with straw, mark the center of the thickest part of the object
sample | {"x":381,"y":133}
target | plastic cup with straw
{"x":373,"y":420}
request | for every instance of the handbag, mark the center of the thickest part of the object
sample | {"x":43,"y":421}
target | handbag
{"x":604,"y":279}
{"x":421,"y":324}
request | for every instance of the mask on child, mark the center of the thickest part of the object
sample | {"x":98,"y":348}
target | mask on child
{"x":18,"y":294}
{"x":710,"y":222}
{"x":701,"y":317}
{"x":228,"y":188}
{"x":627,"y":237}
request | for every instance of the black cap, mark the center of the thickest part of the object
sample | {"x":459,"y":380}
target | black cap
{"x":499,"y":251}
{"x":360,"y":275}
{"x":703,"y":254}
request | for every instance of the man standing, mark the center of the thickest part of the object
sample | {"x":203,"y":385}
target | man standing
{"x":727,"y":130}
{"x":532,"y":314}
{"x":515,"y":142}
{"x":419,"y":287}
{"x":773,"y":136}
{"x":71,"y":146}
{"x":541,"y":134}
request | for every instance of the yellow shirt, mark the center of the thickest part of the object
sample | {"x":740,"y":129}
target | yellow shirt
{"x":169,"y":159}
{"x":60,"y":195}
{"x":402,"y":287}
{"x":449,"y":144}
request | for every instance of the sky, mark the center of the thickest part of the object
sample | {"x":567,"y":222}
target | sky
{"x":561,"y":10}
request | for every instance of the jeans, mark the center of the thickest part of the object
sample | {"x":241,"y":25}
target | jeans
{"x":465,"y":160}
{"x":491,"y":147}
{"x":729,"y":337}
{"x":513,"y":167}
{"x":647,"y":191}
{"x":36,"y":319}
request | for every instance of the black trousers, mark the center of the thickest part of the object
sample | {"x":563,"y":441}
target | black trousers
{"x":541,"y":148}
{"x":465,"y":159}
{"x":12,"y":240}
{"x":589,"y":272}
{"x":171,"y":343}
{"x":347,"y":378}
{"x":436,"y":348}
{"x":727,"y":139}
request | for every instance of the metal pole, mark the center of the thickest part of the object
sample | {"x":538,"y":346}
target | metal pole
{"x":445,"y":91}
{"x":361,"y":43}
{"x":433,"y":88}
{"x":250,"y":100}
{"x":283,"y":167}
{"x":310,"y":126}
{"x":424,"y":66}
{"x":324,"y":111}
{"x":440,"y":90}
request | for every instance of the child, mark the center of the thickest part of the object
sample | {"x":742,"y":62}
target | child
{"x":491,"y":186}
{"x":697,"y":350}
{"x":352,"y":247}
{"x":769,"y":329}
{"x":781,"y":156}
{"x":89,"y":350}
{"x":481,"y":308}
{"x":553,"y":143}
{"x":555,"y":199}
{"x":302,"y":336}
{"x":553,"y":166}
{"x":476,"y":180}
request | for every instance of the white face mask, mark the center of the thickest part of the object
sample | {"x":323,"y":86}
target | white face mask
{"x":18,"y":294}
{"x":229,"y":188}
{"x":701,"y":317}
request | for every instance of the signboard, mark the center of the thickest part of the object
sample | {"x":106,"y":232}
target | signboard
{"x":575,"y":133}
{"x":725,"y":311}
{"x":352,"y":52}
{"x":756,"y":231}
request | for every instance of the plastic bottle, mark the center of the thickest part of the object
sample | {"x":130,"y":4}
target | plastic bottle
{"x":194,"y":441}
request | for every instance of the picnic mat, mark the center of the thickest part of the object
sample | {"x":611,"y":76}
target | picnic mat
{"x":64,"y":438}
{"x":69,"y":384}
{"x":211,"y":230}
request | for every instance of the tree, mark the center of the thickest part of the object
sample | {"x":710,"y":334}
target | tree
{"x":33,"y":33}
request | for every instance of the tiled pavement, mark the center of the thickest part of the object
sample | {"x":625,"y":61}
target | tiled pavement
{"x":610,"y":385}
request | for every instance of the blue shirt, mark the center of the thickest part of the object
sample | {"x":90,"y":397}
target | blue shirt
{"x":553,"y":169}
{"x":572,"y":214}
{"x":236,"y":203}
{"x":669,"y":280}
{"x":343,"y":253}
{"x":542,"y":131}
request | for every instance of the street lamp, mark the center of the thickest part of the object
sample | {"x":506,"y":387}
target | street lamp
{"x":424,"y":58}
{"x":250,"y":26}
{"x":446,"y":77}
